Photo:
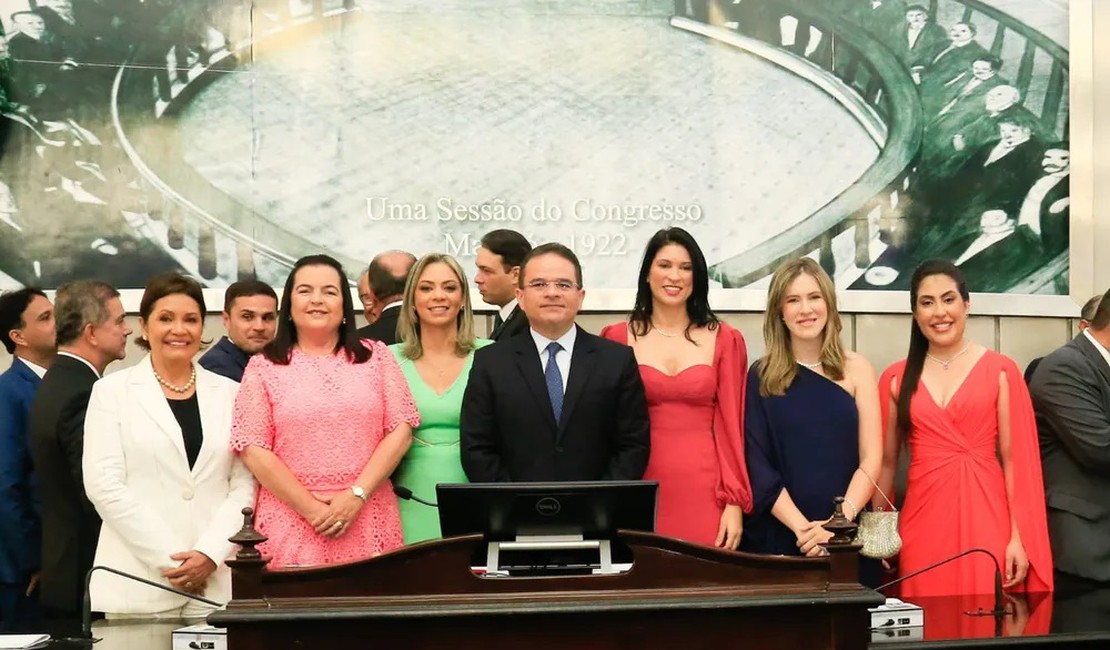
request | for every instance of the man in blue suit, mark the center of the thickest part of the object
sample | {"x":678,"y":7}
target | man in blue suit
{"x":27,"y":332}
{"x":250,"y":318}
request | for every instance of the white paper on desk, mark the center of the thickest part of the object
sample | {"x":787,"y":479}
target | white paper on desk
{"x":14,"y":641}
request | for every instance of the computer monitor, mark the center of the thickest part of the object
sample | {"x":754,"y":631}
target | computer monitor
{"x":507,"y":511}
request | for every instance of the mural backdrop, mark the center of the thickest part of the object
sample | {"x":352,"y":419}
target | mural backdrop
{"x":227,"y":138}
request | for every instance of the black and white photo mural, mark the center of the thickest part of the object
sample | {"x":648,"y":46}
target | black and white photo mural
{"x":226,"y":138}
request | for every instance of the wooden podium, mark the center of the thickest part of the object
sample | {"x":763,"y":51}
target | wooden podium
{"x":676,"y":595}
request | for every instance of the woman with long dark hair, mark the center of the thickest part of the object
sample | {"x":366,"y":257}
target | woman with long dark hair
{"x":693,"y":367}
{"x":974,"y":479}
{"x":322,"y":419}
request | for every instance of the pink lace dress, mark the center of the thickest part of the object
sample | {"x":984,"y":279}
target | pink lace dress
{"x":323,"y":417}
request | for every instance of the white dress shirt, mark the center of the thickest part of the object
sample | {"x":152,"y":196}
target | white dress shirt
{"x":507,"y":310}
{"x":562,"y":360}
{"x":35,"y":368}
{"x":1030,"y":214}
{"x":1098,"y":346}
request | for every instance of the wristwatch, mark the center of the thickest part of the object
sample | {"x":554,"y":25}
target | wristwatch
{"x":359,"y":492}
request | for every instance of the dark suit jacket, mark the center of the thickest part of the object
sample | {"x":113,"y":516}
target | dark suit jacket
{"x":70,"y":525}
{"x":1071,"y":398}
{"x":20,"y":534}
{"x":385,"y":328}
{"x":515,"y":324}
{"x":508,"y":429}
{"x":932,"y":39}
{"x":225,"y":359}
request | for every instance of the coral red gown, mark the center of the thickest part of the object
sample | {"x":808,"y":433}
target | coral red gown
{"x":697,"y":446}
{"x":955,"y":491}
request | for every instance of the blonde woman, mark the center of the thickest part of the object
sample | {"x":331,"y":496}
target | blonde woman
{"x":436,"y":328}
{"x":812,"y":425}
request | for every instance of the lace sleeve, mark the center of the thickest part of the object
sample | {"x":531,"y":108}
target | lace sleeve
{"x":252,"y":422}
{"x":397,"y":403}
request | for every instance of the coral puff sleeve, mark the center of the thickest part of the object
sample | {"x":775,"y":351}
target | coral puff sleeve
{"x":731,"y":361}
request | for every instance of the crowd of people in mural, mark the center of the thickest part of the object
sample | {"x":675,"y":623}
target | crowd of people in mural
{"x":313,"y":421}
{"x":70,"y":198}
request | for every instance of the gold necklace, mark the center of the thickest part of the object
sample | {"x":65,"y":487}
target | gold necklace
{"x":663,"y":332}
{"x":178,"y":389}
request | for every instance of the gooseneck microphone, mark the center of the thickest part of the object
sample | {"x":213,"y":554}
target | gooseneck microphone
{"x":407,"y":495}
{"x":999,"y":612}
{"x":86,"y":605}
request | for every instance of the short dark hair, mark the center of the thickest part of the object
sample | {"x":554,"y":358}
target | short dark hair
{"x":80,"y":303}
{"x":280,"y":350}
{"x":1060,"y":145}
{"x":168,"y":284}
{"x":245,"y":289}
{"x":509,"y":244}
{"x":1089,"y":308}
{"x":994,"y":62}
{"x":27,"y":12}
{"x":383,"y":283}
{"x":552,"y":248}
{"x":1101,"y":318}
{"x":920,"y":8}
{"x":12,"y":306}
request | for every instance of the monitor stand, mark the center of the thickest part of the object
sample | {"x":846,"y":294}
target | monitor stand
{"x":550,"y":555}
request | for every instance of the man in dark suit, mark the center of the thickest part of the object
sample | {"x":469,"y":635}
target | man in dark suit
{"x":918,"y":39}
{"x":388,"y":274}
{"x":498,"y":261}
{"x":1071,"y":398}
{"x":558,"y":403}
{"x":27,"y":332}
{"x":1086,"y":315}
{"x":250,"y":319}
{"x":1047,"y":204}
{"x":92,"y":332}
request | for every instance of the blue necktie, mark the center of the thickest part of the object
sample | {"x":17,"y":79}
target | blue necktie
{"x":554,"y":380}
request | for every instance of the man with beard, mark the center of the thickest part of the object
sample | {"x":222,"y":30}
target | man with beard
{"x":250,"y":318}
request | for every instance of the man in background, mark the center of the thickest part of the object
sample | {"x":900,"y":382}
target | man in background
{"x":250,"y":319}
{"x":499,"y":257}
{"x":92,"y":332}
{"x":388,"y":273}
{"x":27,"y":332}
{"x":1086,"y":315}
{"x":1071,"y":399}
{"x":370,"y":307}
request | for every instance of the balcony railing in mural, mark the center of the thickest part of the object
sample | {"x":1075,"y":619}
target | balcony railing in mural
{"x":224,"y":239}
{"x":829,"y":46}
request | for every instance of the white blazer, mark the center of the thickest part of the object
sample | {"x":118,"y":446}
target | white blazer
{"x":137,"y":475}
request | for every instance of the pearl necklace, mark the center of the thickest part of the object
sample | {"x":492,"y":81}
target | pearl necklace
{"x":945,"y":364}
{"x":811,"y":366}
{"x":178,"y":389}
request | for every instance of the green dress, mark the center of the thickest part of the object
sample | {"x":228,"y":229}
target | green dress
{"x":434,"y":455}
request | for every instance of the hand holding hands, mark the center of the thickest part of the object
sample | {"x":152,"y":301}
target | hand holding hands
{"x":810,"y":536}
{"x":193,"y":572}
{"x":340,"y":509}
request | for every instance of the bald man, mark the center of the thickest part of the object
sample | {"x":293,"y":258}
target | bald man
{"x":387,"y":274}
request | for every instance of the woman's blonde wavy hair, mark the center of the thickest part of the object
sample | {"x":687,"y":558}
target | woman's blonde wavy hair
{"x":408,"y":324}
{"x":778,"y":367}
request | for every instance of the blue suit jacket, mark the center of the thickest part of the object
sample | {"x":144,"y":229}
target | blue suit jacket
{"x":225,"y":359}
{"x":20,"y":531}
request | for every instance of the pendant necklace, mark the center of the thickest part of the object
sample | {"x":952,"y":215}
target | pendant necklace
{"x":945,"y":364}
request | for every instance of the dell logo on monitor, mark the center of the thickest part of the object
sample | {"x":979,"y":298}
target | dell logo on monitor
{"x":548,"y":506}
